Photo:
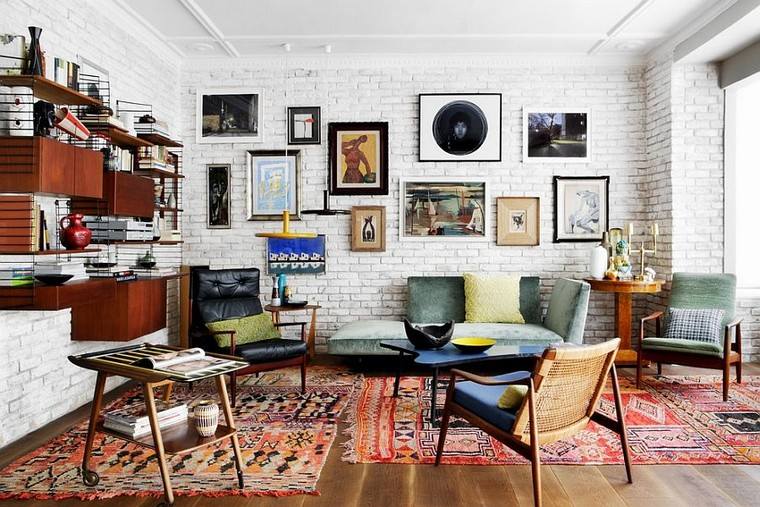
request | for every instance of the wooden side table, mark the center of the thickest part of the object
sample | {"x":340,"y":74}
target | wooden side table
{"x":624,"y":291}
{"x":276,"y":310}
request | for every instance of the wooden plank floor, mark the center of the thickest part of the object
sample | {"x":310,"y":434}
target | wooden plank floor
{"x":370,"y":485}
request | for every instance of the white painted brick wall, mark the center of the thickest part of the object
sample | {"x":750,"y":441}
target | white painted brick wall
{"x":37,"y":382}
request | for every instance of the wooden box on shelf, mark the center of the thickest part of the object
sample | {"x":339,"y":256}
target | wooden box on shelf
{"x":46,"y":166}
{"x":124,"y":194}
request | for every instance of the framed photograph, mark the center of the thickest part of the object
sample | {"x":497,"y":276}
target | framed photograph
{"x":296,"y":256}
{"x":229,"y":115}
{"x":218,"y":191}
{"x":304,"y":125}
{"x":460,"y":126}
{"x":518,"y":221}
{"x":456,"y":209}
{"x":273,"y":184}
{"x":556,"y":135}
{"x":358,"y":158}
{"x":368,"y":229}
{"x":581,"y":208}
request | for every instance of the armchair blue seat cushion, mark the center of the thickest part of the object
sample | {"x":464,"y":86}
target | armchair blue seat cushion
{"x":275,"y":349}
{"x":683,"y":346}
{"x":482,"y":401}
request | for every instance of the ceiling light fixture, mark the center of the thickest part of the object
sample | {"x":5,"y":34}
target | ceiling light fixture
{"x":286,"y":47}
{"x":202,"y":47}
{"x":328,"y":48}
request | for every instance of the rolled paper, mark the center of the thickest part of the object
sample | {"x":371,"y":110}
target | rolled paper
{"x":66,"y":121}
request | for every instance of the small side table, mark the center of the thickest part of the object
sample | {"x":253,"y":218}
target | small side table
{"x":624,"y":291}
{"x":276,"y":310}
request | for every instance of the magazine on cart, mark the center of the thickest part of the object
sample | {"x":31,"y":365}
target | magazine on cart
{"x":186,"y":361}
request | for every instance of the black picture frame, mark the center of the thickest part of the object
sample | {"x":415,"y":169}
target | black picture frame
{"x":218,"y":196}
{"x":380,"y":185}
{"x":560,"y":213}
{"x":316,"y":113}
{"x":429,"y":149}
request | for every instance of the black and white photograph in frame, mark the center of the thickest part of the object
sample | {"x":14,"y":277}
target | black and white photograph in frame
{"x":556,"y":134}
{"x":581,"y":208}
{"x":304,"y":125}
{"x":229,"y":115}
{"x":460,"y":126}
{"x":218,"y":188}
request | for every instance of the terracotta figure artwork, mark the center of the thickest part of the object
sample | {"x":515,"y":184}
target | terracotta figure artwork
{"x":358,"y":158}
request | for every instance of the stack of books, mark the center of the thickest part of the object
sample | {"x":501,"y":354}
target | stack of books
{"x":16,"y":276}
{"x":119,"y":272}
{"x":153,"y":272}
{"x":56,"y":267}
{"x":133,"y":420}
{"x":102,"y":120}
{"x":158,"y":127}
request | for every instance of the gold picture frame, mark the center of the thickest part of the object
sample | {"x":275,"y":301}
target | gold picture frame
{"x":368,"y":229}
{"x":518,"y":221}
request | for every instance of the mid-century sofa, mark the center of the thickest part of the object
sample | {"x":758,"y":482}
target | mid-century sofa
{"x":437,"y":299}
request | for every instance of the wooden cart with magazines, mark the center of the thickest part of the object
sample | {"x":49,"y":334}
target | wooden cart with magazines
{"x":177,"y":439}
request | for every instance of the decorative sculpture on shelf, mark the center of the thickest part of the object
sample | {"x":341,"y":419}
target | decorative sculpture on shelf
{"x":429,"y":337}
{"x":654,"y":230}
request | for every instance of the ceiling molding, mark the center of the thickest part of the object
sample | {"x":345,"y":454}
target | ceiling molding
{"x":195,"y":10}
{"x":620,"y":25}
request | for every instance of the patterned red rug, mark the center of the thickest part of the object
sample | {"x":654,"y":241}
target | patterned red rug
{"x":671,"y":420}
{"x":285,"y":438}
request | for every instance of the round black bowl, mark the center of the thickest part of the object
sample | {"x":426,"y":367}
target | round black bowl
{"x":429,"y":337}
{"x":53,"y":279}
{"x":147,"y":264}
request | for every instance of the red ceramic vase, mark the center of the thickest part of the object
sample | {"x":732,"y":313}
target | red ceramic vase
{"x":75,"y":236}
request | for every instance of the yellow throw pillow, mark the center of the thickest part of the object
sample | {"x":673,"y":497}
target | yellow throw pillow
{"x":249,"y":329}
{"x":512,"y":397}
{"x":492,"y":298}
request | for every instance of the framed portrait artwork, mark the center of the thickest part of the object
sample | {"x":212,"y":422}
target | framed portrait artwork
{"x":581,"y":208}
{"x":273,"y":184}
{"x":296,"y":256}
{"x":229,"y":115}
{"x":460,"y":126}
{"x":556,"y":134}
{"x":518,"y":221}
{"x":368,"y":229}
{"x":304,"y":125}
{"x":358,"y":158}
{"x":218,"y":191}
{"x":453,"y":209}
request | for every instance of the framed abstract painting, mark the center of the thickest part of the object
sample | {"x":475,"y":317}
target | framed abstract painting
{"x":218,"y":191}
{"x":273,"y":184}
{"x":460,"y":127}
{"x":304,"y":125}
{"x":518,"y":221}
{"x":358,"y":155}
{"x":451,"y":209}
{"x":296,"y":256}
{"x":581,"y":208}
{"x":229,"y":115}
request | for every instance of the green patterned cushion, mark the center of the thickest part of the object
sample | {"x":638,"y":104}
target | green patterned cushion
{"x":492,"y":298}
{"x":249,"y":329}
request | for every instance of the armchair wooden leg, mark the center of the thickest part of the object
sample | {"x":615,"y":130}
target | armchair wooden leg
{"x":659,"y":368}
{"x":621,"y":423}
{"x":739,"y":372}
{"x":535,"y":458}
{"x":233,"y":389}
{"x":726,"y":379}
{"x":445,"y":420}
{"x":303,"y":375}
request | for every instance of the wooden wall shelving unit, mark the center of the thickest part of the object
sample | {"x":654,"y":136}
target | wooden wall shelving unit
{"x":124,"y":194}
{"x":48,"y":90}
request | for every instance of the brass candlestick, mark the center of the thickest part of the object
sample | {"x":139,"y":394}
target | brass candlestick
{"x":643,"y":251}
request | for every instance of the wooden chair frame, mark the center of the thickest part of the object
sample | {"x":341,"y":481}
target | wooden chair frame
{"x":525,"y":437}
{"x":732,"y":353}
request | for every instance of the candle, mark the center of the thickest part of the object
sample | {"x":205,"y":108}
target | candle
{"x":655,"y":229}
{"x":629,"y":230}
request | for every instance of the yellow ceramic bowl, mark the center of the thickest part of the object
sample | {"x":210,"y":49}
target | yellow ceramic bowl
{"x":473,"y":344}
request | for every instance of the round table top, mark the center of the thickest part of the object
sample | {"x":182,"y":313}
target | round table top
{"x":625,"y":285}
{"x":290,"y":308}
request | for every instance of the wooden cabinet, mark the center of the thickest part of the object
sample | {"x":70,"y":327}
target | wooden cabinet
{"x":124,"y":194}
{"x":45,"y":166}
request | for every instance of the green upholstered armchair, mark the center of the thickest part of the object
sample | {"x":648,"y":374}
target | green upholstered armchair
{"x":697,"y":291}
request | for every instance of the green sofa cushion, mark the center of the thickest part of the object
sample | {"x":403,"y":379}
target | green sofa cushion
{"x":441,"y":298}
{"x":363,"y":337}
{"x":681,"y":346}
{"x":698,"y":290}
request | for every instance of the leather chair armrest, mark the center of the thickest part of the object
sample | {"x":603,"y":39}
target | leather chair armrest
{"x":518,"y":377}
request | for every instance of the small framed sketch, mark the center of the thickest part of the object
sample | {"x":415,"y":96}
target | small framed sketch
{"x":460,"y":126}
{"x":368,"y":229}
{"x":556,"y":134}
{"x":518,"y":221}
{"x":358,"y":158}
{"x":218,"y":191}
{"x":229,"y":115}
{"x":581,"y":208}
{"x":453,"y":209}
{"x":273,"y":184}
{"x":304,"y":125}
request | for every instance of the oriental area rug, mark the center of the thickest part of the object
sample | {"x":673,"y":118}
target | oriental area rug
{"x":678,"y":420}
{"x":285,"y":437}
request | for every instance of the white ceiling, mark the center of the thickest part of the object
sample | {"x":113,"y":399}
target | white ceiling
{"x":207,"y":28}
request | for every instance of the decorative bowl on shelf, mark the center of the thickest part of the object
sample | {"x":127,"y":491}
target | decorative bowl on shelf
{"x":53,"y":279}
{"x":294,"y":302}
{"x":429,"y":337}
{"x":473,"y":344}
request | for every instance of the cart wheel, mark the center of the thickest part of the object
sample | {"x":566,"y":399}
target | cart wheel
{"x":241,"y":484}
{"x":90,"y":478}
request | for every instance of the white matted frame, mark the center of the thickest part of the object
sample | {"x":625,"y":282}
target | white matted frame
{"x":258,"y":137}
{"x":528,"y":110}
{"x":444,"y":182}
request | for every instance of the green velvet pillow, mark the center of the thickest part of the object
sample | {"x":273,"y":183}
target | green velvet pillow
{"x":512,"y":397}
{"x":492,"y":298}
{"x":247,"y":329}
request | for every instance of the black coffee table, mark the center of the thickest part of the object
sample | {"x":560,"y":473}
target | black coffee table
{"x":449,"y":356}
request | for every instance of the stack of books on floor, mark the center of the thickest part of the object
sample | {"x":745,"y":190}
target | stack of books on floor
{"x":51,"y":266}
{"x":119,"y":272}
{"x":133,"y":420}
